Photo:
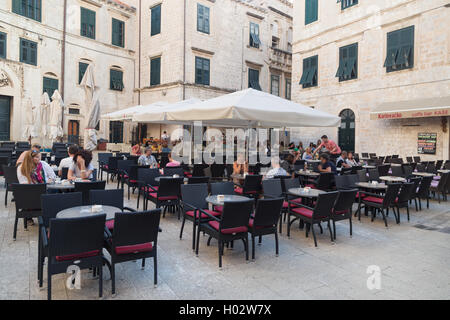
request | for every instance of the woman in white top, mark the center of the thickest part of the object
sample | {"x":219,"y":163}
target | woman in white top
{"x":81,"y":167}
{"x":33,"y":171}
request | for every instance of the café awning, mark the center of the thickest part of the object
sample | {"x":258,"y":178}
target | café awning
{"x":419,"y":108}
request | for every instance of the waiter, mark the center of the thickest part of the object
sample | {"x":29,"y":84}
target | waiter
{"x":330,"y":145}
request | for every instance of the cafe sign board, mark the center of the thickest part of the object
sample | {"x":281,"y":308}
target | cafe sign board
{"x":427,"y":143}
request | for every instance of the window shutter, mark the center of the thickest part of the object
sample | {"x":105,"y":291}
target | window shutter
{"x":81,"y":71}
{"x":50,"y":85}
{"x":156,"y":20}
{"x":92,"y":23}
{"x":206,"y":20}
{"x":2,"y":45}
{"x":155,"y":71}
{"x":205,"y":73}
{"x":38,"y":10}
{"x":200,"y":18}
{"x":16,"y":6}
{"x":311,"y":11}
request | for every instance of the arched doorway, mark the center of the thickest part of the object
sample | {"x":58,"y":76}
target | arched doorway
{"x":347,"y":130}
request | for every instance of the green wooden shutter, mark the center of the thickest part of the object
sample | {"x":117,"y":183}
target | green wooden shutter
{"x":206,"y":20}
{"x":49,"y":86}
{"x":2,"y":45}
{"x":205,"y":72}
{"x":17,"y":6}
{"x":156,"y":20}
{"x":200,"y":17}
{"x":28,"y":51}
{"x":92,"y":24}
{"x":311,"y":11}
{"x":118,"y":30}
{"x":37,"y":10}
{"x":406,"y":48}
{"x":155,"y":71}
{"x":393,"y":42}
{"x":81,"y":70}
{"x":202,"y":71}
{"x":116,"y":80}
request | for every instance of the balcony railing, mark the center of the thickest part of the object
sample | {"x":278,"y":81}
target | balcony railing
{"x":280,"y":57}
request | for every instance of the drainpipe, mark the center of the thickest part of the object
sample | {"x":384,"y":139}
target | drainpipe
{"x":63,"y":58}
{"x":184,"y":51}
{"x":139,"y":59}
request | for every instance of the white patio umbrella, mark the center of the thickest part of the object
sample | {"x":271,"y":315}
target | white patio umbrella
{"x":37,"y":121}
{"x":27,"y":129}
{"x":55,"y":116}
{"x":128,"y":113}
{"x":45,"y":109}
{"x":247,"y":108}
{"x":149,"y":114}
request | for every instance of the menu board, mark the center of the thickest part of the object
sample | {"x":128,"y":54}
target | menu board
{"x":427,"y":143}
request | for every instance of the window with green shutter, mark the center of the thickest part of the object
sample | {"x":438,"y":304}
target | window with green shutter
{"x":28,"y":8}
{"x":2,"y":45}
{"x":288,"y":89}
{"x":275,"y":85}
{"x":118,"y":33}
{"x":156,"y":20}
{"x":49,"y":86}
{"x":81,"y":70}
{"x":400,"y":50}
{"x":309,"y":77}
{"x":202,"y":18}
{"x":348,"y":63}
{"x":348,"y":3}
{"x":87,"y":23}
{"x":311,"y":11}
{"x":28,"y":51}
{"x":155,"y":71}
{"x":253,"y":79}
{"x":254,"y":35}
{"x":116,"y":80}
{"x":202,"y":71}
{"x":116,"y":131}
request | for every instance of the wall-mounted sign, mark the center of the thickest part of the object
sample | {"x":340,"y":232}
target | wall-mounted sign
{"x":426,"y":143}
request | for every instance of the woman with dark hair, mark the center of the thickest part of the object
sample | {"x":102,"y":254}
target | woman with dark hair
{"x":81,"y":167}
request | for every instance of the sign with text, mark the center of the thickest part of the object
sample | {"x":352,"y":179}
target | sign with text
{"x":427,"y":143}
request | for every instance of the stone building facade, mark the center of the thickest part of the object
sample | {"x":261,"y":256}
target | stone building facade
{"x":42,"y":25}
{"x":420,"y":70}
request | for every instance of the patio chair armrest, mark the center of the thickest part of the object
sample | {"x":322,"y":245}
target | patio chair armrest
{"x":129,"y":209}
{"x":107,"y":233}
{"x":367,"y":193}
{"x":151,"y":187}
{"x":184,"y":203}
{"x":44,"y":238}
{"x":300,"y":205}
{"x":209,"y":215}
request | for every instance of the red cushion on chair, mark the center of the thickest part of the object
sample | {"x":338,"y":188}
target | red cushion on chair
{"x":241,"y":191}
{"x":360,"y":194}
{"x":374,"y":199}
{"x":164,"y":198}
{"x":250,"y":224}
{"x":297,"y":200}
{"x":341,"y":212}
{"x":106,"y":166}
{"x":137,"y":248}
{"x":78,"y":256}
{"x":303,"y":211}
{"x":110,"y":224}
{"x":188,"y":174}
{"x":203,"y":216}
{"x":218,"y":208}
{"x":133,"y":181}
{"x":215,"y":225}
{"x":312,"y":186}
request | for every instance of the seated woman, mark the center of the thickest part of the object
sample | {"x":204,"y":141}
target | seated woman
{"x":240,"y":167}
{"x":172,"y":162}
{"x":33,"y":171}
{"x":351,"y":161}
{"x":81,"y":167}
{"x":147,"y":159}
{"x":307,"y":155}
{"x":136,"y":150}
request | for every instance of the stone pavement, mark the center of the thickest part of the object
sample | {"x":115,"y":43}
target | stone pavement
{"x":413,"y":257}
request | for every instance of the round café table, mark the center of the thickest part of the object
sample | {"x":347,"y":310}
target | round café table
{"x":301,"y":192}
{"x":367,"y":167}
{"x":61,"y":186}
{"x":392,"y":179}
{"x":443,"y":171}
{"x":86,"y":211}
{"x":157,"y":179}
{"x":310,"y":174}
{"x":368,"y":185}
{"x":226,"y":198}
{"x":423,"y":174}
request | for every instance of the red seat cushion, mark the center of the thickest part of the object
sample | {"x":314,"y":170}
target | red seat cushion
{"x":188,"y":174}
{"x":203,"y":216}
{"x":241,"y":191}
{"x":340,"y":212}
{"x":215,"y":225}
{"x":164,"y":198}
{"x":297,"y":200}
{"x":110,"y":224}
{"x":312,"y":186}
{"x":374,"y":199}
{"x":360,"y":194}
{"x":137,"y":248}
{"x":78,"y":256}
{"x":218,"y":208}
{"x":250,"y":224}
{"x":133,"y":181}
{"x":303,"y":211}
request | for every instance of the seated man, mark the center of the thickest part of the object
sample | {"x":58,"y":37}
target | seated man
{"x":326,"y":165}
{"x":341,"y":162}
{"x":276,"y":169}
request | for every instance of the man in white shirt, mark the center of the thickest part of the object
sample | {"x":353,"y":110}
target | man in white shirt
{"x":67,"y":162}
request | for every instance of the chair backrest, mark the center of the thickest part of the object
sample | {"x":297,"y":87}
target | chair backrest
{"x":147,"y":176}
{"x":424,"y":186}
{"x":324,"y":204}
{"x":169,"y":187}
{"x":64,"y":173}
{"x":421,"y":167}
{"x":362,"y":175}
{"x":374,"y":175}
{"x":439,"y":164}
{"x":236,"y":214}
{"x":447,"y":165}
{"x":131,"y":228}
{"x":252,"y":182}
{"x":383,"y":170}
{"x":170,"y":171}
{"x":409,"y":159}
{"x":326,"y":181}
{"x":342,"y":182}
{"x":197,"y":170}
{"x":222,"y":188}
{"x":124,"y":165}
{"x":123,"y":154}
{"x":103,"y":157}
{"x":217,"y":170}
{"x":352,"y":180}
{"x":10,"y":174}
{"x":345,"y":200}
{"x":195,"y":195}
{"x":431,"y":167}
{"x":112,"y":163}
{"x":442,"y":185}
{"x":267,"y":212}
{"x":28,"y":196}
{"x":54,"y":203}
{"x":406,"y":192}
{"x":110,"y":197}
{"x":416,"y":159}
{"x":272,"y":188}
{"x":71,"y":236}
{"x":391,"y":194}
{"x":86,"y":187}
{"x":194,"y":180}
{"x":407,"y":170}
{"x":397,"y":171}
{"x":291,"y":183}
